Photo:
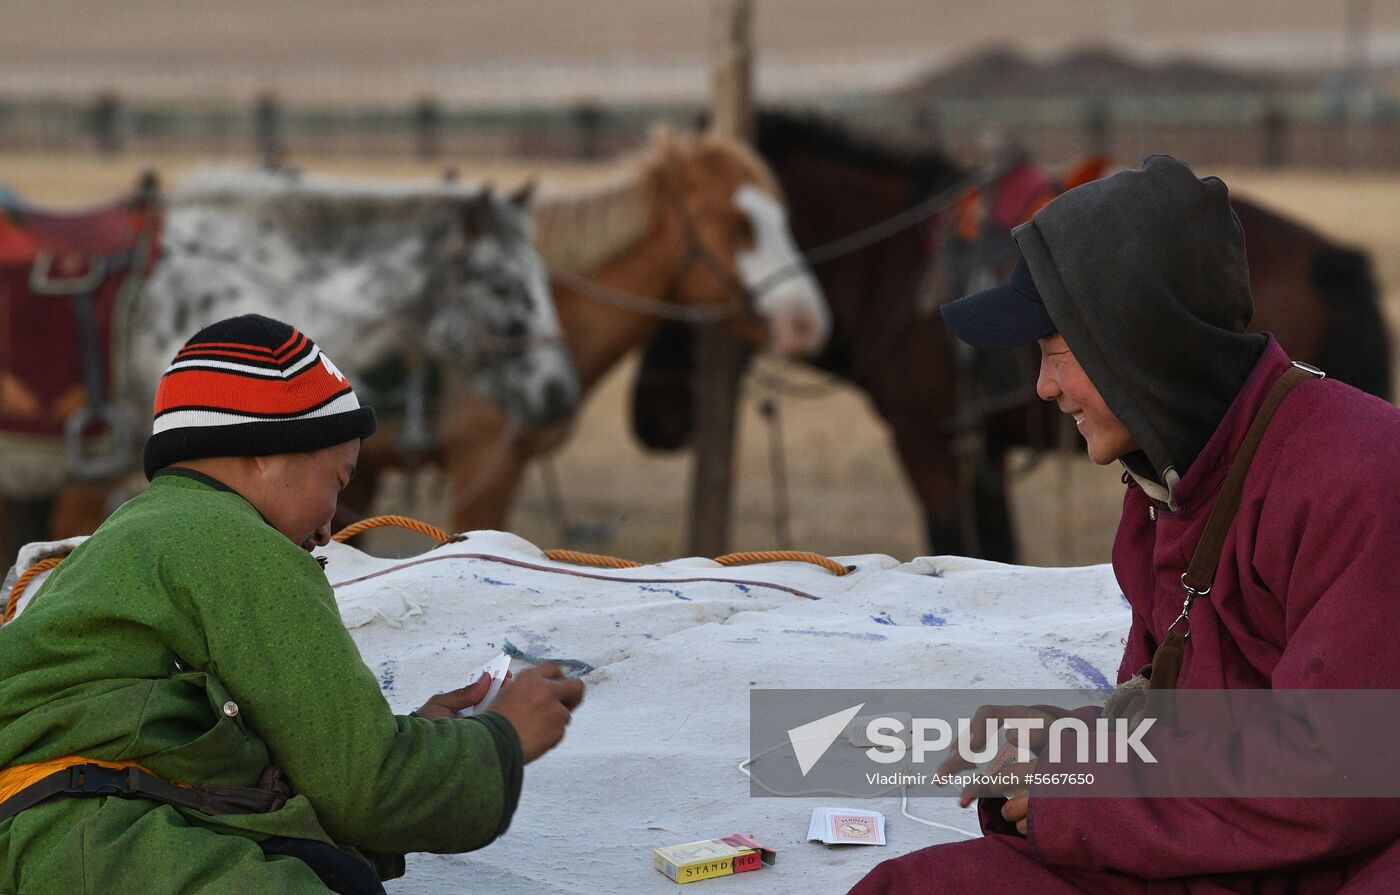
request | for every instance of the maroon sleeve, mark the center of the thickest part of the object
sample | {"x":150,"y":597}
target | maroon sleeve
{"x":1132,"y":566}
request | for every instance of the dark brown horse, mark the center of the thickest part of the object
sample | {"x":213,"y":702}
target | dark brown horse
{"x":955,"y":414}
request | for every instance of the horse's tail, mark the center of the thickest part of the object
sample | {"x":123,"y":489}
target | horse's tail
{"x":1355,"y":345}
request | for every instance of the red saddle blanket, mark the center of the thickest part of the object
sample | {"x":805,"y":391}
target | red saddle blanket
{"x":64,"y":279}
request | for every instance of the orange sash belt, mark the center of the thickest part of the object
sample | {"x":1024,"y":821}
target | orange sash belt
{"x":20,"y":777}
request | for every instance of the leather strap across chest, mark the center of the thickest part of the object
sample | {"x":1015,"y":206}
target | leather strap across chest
{"x":1165,"y":670}
{"x":1200,"y":574}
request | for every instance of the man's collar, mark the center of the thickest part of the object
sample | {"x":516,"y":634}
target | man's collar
{"x":1136,"y":463}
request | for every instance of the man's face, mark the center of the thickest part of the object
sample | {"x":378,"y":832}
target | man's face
{"x":297,"y":492}
{"x":1063,"y":381}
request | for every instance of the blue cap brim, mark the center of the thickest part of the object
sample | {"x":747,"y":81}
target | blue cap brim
{"x":1005,"y":316}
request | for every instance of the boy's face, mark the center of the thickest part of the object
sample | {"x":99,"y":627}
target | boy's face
{"x":1063,"y":381}
{"x":297,"y":493}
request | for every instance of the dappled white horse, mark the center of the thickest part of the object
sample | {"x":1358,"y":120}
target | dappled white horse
{"x":441,"y":275}
{"x":369,"y":269}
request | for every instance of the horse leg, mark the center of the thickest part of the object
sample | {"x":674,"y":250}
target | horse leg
{"x":21,"y":522}
{"x":931,"y":468}
{"x":80,"y":509}
{"x":482,"y":480}
{"x":996,"y":535}
{"x":484,"y":457}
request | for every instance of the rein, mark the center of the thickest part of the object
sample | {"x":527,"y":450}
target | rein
{"x":828,"y":251}
{"x":881,"y":230}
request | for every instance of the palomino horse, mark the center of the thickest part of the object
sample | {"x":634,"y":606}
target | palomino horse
{"x":696,"y":223}
{"x":1318,"y":298}
{"x":445,"y":273}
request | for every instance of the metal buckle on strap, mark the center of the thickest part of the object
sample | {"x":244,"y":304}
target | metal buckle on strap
{"x":1185,"y":616}
{"x":95,"y":780}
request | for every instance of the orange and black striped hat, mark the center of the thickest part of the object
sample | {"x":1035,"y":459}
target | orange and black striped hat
{"x":251,"y":386}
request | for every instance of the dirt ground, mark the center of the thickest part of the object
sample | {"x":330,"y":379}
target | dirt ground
{"x":845,"y":492}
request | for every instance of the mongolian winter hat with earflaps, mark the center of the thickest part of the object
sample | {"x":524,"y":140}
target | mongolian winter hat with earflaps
{"x":251,"y":386}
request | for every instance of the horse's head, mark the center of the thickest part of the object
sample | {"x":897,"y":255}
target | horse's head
{"x":731,"y":228}
{"x":498,"y":323}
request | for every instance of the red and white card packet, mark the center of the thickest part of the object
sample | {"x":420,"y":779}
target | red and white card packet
{"x":847,"y":826}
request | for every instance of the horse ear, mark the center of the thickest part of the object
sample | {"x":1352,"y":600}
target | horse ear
{"x":669,"y":153}
{"x":477,"y":214}
{"x":147,"y":188}
{"x":522,"y":196}
{"x":666,"y":142}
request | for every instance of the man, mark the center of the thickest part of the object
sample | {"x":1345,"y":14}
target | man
{"x":181,"y":707}
{"x":1135,"y":287}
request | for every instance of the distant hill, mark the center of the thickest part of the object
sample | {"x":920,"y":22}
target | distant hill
{"x":1004,"y":72}
{"x":509,"y":51}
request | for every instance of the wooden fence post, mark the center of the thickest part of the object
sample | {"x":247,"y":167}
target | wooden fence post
{"x":267,"y":131}
{"x":721,"y":354}
{"x":427,"y":127}
{"x":1274,"y":128}
{"x":105,"y":117}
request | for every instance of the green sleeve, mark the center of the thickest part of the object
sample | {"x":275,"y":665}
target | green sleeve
{"x":380,"y":782}
{"x":512,"y":761}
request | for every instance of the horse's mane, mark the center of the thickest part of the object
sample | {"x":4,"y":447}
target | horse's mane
{"x":230,"y":185}
{"x":783,"y":132}
{"x":317,"y":207}
{"x":579,"y":229}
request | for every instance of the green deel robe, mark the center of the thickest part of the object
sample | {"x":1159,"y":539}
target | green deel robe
{"x":184,"y":604}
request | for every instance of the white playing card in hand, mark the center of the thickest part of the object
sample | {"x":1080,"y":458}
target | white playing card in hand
{"x":497,"y":669}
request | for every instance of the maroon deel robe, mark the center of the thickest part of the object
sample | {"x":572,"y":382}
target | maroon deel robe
{"x":1307,"y":596}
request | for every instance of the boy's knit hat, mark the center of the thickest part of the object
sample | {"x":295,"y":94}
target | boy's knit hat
{"x":251,"y":386}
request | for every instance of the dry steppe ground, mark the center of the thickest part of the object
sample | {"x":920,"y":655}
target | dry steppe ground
{"x":846,"y":492}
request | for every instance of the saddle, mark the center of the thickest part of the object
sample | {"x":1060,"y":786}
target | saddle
{"x":67,"y":284}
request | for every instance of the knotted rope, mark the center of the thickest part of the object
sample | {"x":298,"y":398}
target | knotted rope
{"x":579,"y":558}
{"x":574,"y":557}
{"x":364,"y":525}
{"x":17,"y":591}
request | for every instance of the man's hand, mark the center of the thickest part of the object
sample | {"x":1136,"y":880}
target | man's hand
{"x":447,"y":705}
{"x":539,"y":704}
{"x":1004,"y":763}
{"x":1017,"y":811}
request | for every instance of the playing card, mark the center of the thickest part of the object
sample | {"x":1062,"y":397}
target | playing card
{"x":856,"y":827}
{"x":497,"y":669}
{"x":847,"y":826}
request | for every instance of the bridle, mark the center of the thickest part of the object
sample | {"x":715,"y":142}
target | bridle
{"x":744,"y":300}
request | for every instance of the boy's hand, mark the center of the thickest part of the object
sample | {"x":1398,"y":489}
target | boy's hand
{"x":539,"y":703}
{"x":447,"y":705}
